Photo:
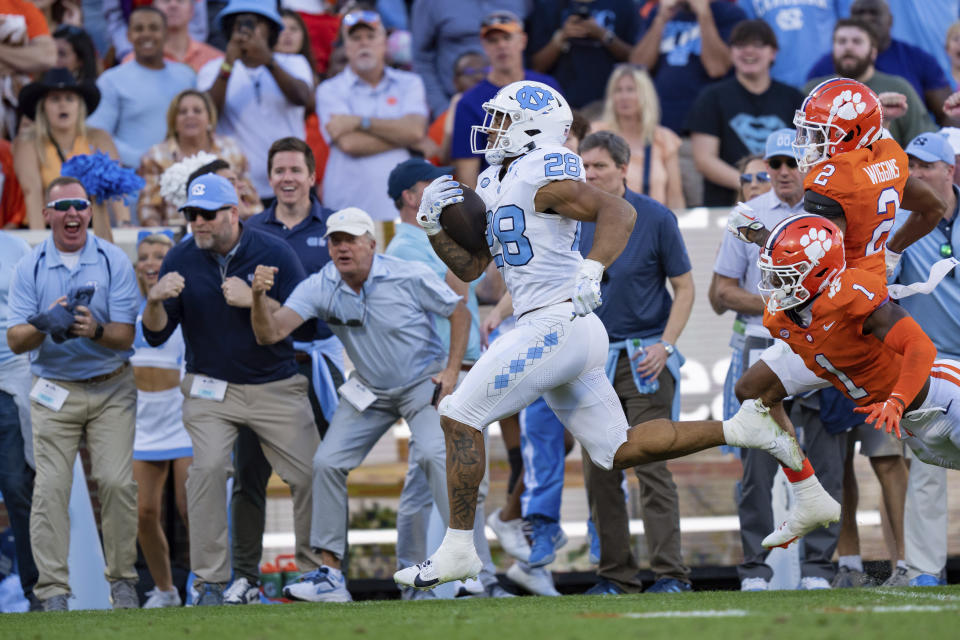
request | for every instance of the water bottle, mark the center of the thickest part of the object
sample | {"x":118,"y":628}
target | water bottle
{"x":644,"y":385}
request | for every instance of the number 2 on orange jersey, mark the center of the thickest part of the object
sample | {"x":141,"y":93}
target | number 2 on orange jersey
{"x":887,"y":205}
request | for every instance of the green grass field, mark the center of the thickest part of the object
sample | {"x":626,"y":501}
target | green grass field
{"x":917,"y":614}
{"x":791,"y":615}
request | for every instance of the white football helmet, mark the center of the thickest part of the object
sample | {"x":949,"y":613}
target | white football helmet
{"x":520,"y":117}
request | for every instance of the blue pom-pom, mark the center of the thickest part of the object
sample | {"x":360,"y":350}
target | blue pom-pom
{"x":103,"y":178}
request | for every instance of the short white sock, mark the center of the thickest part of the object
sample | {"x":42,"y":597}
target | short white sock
{"x":901,"y":563}
{"x":458,"y":538}
{"x":854,"y":563}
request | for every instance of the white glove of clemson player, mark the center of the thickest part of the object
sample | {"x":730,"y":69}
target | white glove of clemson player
{"x":440,"y":193}
{"x":892,"y":259}
{"x":743,"y":218}
{"x":586,"y":287}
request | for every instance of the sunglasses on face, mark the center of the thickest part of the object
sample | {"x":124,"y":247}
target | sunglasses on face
{"x":192,"y":213}
{"x":65,"y":204}
{"x":366,"y":17}
{"x":776,"y":163}
{"x":759,"y":176}
{"x":501,"y":18}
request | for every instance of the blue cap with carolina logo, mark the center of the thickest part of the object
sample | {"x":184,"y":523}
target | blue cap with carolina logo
{"x":780,"y":143}
{"x":210,"y":192}
{"x":931,"y":147}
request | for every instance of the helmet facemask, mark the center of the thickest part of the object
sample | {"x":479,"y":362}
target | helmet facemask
{"x":782,"y":287}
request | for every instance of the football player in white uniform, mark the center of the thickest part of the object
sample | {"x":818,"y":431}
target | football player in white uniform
{"x":536,"y":196}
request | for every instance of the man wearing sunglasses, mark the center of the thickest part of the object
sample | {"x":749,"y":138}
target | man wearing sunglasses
{"x":932,"y":160}
{"x":231,"y":380}
{"x":73,"y":304}
{"x":382,"y":310}
{"x":734,"y":287}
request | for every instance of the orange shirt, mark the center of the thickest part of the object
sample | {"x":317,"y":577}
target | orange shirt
{"x":13,"y":210}
{"x":868,"y":183}
{"x":36,"y":23}
{"x":834,"y":347}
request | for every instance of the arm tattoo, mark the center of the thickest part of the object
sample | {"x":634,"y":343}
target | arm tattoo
{"x":464,"y":264}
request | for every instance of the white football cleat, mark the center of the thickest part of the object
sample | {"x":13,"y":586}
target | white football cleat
{"x":510,"y":534}
{"x":815,"y":508}
{"x":754,"y":428}
{"x":443,"y":566}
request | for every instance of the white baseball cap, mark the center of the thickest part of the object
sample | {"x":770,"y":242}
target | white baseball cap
{"x":952,"y":135}
{"x":352,"y":220}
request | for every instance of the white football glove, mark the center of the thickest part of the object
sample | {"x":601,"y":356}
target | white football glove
{"x":440,"y":193}
{"x":741,"y":219}
{"x":586,"y":287}
{"x":892,"y":258}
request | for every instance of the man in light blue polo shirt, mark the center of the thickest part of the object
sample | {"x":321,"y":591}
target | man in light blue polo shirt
{"x":16,"y":441}
{"x":83,"y":387}
{"x":382,"y":309}
{"x":405,"y":187}
{"x":932,"y":161}
{"x":369,"y":114}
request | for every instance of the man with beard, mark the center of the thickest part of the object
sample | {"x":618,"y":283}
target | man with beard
{"x":854,"y":55}
{"x":231,"y":381}
{"x":369,"y":114}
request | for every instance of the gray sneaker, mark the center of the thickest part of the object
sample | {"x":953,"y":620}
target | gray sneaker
{"x":123,"y":594}
{"x":211,"y":595}
{"x":56,"y":603}
{"x":848,"y":578}
{"x":898,"y":578}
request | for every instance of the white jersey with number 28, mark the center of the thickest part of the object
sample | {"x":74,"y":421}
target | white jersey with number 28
{"x":537,"y":252}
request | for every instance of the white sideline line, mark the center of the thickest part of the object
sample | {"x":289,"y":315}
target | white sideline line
{"x":919,"y":595}
{"x":574,"y":529}
{"x":708,"y":613}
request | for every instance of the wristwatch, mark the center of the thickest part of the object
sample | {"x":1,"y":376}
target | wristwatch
{"x":98,"y":333}
{"x":365,"y":123}
{"x":669,"y":348}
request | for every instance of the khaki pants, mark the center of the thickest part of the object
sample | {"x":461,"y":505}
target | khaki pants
{"x":659,"y":503}
{"x":104,"y":412}
{"x":279,"y":413}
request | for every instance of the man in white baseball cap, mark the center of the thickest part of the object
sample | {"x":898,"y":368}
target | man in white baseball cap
{"x":381,"y":309}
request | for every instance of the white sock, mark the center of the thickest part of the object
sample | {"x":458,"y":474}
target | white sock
{"x":901,"y":563}
{"x":458,"y":539}
{"x":854,"y":563}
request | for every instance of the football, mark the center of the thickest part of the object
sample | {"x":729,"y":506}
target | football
{"x":466,"y":222}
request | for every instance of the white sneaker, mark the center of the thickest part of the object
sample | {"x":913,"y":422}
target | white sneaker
{"x":752,"y":427}
{"x":241,"y":591}
{"x":754,"y":584}
{"x":157,"y":599}
{"x":471,"y":587}
{"x":324,"y":584}
{"x":813,"y":583}
{"x":536,"y":580}
{"x":510,"y":534}
{"x":443,"y":566}
{"x":814,"y":508}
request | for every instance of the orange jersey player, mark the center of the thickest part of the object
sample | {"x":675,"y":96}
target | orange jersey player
{"x":841,"y":322}
{"x":857,"y":179}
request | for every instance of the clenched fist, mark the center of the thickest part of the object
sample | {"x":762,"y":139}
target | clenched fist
{"x":263,"y":279}
{"x":169,"y":286}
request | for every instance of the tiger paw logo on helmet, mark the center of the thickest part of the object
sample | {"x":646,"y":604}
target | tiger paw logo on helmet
{"x":816,"y":243}
{"x":848,"y":105}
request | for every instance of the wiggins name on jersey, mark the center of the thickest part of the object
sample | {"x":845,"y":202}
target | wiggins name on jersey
{"x":537,"y":252}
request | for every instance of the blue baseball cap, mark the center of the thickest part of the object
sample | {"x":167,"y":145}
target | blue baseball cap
{"x":410,"y":172}
{"x":780,"y":143}
{"x":210,"y":192}
{"x":267,"y":10}
{"x":931,"y":147}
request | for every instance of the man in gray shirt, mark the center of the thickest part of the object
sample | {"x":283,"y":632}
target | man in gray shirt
{"x":380,"y":307}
